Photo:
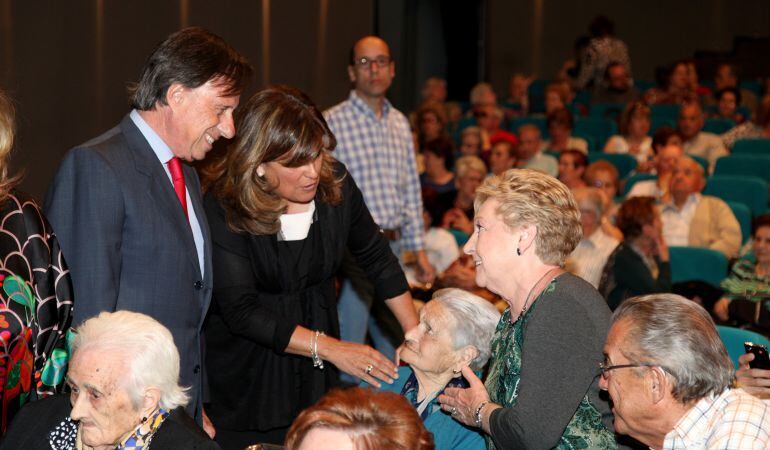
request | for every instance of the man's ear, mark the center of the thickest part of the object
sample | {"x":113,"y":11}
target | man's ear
{"x":352,"y":74}
{"x":657,"y":384}
{"x":175,"y":94}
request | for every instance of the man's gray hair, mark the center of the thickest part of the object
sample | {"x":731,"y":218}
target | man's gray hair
{"x":475,"y":321}
{"x":589,"y":198}
{"x":151,"y":358}
{"x":678,"y":335}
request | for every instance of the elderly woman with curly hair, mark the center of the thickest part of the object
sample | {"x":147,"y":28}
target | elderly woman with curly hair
{"x":455,"y":330}
{"x":541,"y":389}
{"x":36,"y":296}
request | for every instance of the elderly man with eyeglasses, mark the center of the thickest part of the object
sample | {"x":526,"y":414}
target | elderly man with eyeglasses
{"x":670,"y":379}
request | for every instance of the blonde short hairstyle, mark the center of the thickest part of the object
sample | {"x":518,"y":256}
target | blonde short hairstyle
{"x":467,"y":163}
{"x":530,"y":197}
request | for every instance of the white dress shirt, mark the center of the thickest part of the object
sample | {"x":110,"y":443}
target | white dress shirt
{"x":676,"y":222}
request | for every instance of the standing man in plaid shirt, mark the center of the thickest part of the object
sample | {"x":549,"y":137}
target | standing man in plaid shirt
{"x":374,"y":141}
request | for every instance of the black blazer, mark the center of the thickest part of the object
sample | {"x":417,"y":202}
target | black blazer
{"x":30,"y":429}
{"x":258,"y":303}
{"x":128,"y":243}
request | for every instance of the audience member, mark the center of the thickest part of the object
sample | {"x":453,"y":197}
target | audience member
{"x":481,"y":96}
{"x":695,"y":141}
{"x":727,"y":100}
{"x":360,"y":419}
{"x":665,"y":161}
{"x":572,"y":166}
{"x":640,"y":264}
{"x":470,"y":173}
{"x":502,"y":157}
{"x":129,"y":214}
{"x":440,"y":246}
{"x":616,"y":87}
{"x":670,"y":379}
{"x":727,"y":77}
{"x":439,"y":162}
{"x":749,"y":280}
{"x":36,"y":301}
{"x":677,"y":88}
{"x":634,"y":125}
{"x":560,"y":124}
{"x":490,"y":119}
{"x":275,"y":201}
{"x":431,"y":123}
{"x":374,"y":142}
{"x":518,"y":95}
{"x":434,"y":90}
{"x":603,"y":176}
{"x":695,"y":220}
{"x":757,"y":127}
{"x":124,"y":393}
{"x":455,"y":331}
{"x":557,"y":96}
{"x":590,"y":256}
{"x":529,"y":154}
{"x":470,"y":141}
{"x":663,"y":136}
{"x":603,"y":48}
{"x":527,"y":223}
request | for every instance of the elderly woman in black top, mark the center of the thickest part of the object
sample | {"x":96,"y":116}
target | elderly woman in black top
{"x":282,"y":212}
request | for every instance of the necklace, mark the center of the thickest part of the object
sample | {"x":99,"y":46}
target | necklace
{"x":531,"y":291}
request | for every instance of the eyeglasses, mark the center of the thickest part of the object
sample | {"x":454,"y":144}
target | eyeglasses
{"x":366,"y":62}
{"x":605,"y":368}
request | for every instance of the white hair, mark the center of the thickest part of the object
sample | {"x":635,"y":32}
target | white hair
{"x":465,"y":164}
{"x":475,"y":321}
{"x":590,"y":198}
{"x":151,"y":358}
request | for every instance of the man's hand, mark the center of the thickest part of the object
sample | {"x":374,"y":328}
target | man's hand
{"x":425,"y":271}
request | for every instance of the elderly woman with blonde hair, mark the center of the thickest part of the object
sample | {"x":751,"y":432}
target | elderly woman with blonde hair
{"x":124,"y":393}
{"x":541,"y":389}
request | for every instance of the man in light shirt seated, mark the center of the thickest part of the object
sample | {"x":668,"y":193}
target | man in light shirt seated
{"x":529,"y":156}
{"x":697,"y":142}
{"x":665,"y":160}
{"x":695,"y":220}
{"x":589,"y":257}
{"x":670,"y":377}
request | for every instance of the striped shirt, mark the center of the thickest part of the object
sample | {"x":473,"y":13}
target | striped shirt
{"x":590,"y":256}
{"x":730,"y":420}
{"x":379,"y":153}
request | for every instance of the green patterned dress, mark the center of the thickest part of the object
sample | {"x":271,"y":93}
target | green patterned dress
{"x":584,"y":431}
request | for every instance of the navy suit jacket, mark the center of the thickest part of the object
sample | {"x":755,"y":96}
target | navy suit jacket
{"x":128,"y":243}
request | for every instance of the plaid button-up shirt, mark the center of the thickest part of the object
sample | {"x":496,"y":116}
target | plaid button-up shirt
{"x":379,"y":153}
{"x":730,"y":420}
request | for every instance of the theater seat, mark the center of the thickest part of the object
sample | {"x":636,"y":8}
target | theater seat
{"x":635,"y":178}
{"x":624,"y":162}
{"x":733,"y":338}
{"x":751,"y":191}
{"x":718,"y":126}
{"x":752,"y":146}
{"x":695,"y":263}
{"x":758,"y":166}
{"x":743,"y":215}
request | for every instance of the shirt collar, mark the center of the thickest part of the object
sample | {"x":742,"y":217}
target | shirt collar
{"x":363,"y":107}
{"x":692,"y":199}
{"x":161,"y":149}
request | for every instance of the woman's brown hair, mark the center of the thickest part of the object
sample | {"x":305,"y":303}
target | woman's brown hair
{"x":373,"y":420}
{"x":7,"y":134}
{"x":278,"y":124}
{"x":632,"y":109}
{"x":634,"y":214}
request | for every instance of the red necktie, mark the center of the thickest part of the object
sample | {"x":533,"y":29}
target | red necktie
{"x":177,"y":176}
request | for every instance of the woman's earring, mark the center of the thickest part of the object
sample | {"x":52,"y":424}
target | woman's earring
{"x":260,"y":171}
{"x":455,"y":371}
{"x":144,"y":419}
{"x":518,"y":251}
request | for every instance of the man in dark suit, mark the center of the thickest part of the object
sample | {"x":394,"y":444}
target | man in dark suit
{"x":129,"y":214}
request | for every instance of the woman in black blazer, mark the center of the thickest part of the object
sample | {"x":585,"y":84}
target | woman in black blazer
{"x":282,"y":212}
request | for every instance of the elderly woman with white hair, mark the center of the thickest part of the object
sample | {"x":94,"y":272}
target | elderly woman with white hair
{"x":589,"y":257}
{"x":541,"y":389}
{"x":125,"y":393}
{"x":454,"y":333}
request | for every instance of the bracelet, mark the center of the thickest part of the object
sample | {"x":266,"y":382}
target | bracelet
{"x":317,"y":361}
{"x":477,"y":415}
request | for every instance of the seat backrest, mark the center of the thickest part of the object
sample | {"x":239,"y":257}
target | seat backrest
{"x":752,"y":146}
{"x":624,"y":162}
{"x":695,"y":263}
{"x":609,"y":111}
{"x":742,"y":213}
{"x":758,"y":166}
{"x":657,"y":122}
{"x":717,"y":125}
{"x":669,"y":111}
{"x":635,"y":178}
{"x":733,"y":338}
{"x":537,"y":121}
{"x":749,"y":190}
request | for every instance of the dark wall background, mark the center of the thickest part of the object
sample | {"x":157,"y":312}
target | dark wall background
{"x":67,"y":64}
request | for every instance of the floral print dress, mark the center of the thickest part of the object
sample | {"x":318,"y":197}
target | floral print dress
{"x":584,"y":431}
{"x":35,"y":307}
